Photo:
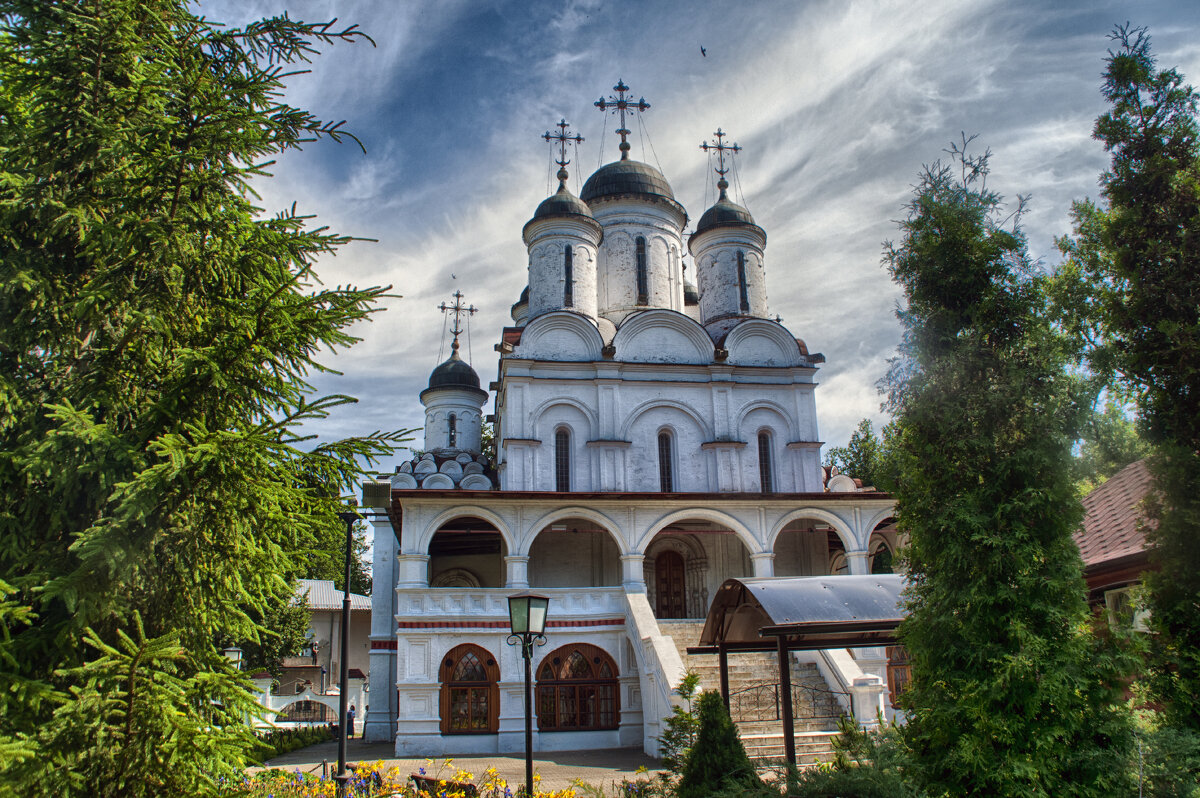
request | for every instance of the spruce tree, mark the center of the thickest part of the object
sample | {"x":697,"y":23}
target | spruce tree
{"x":1148,"y":287}
{"x":156,"y":332}
{"x":718,"y":760}
{"x":1004,"y":698}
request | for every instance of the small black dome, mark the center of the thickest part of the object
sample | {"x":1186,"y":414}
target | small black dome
{"x":690,"y":295}
{"x":562,"y":203}
{"x":454,"y":373}
{"x":724,"y":214}
{"x":626,"y":177}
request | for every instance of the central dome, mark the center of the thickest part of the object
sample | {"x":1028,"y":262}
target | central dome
{"x":621,"y":178}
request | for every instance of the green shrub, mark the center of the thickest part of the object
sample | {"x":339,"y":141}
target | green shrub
{"x":717,"y":760}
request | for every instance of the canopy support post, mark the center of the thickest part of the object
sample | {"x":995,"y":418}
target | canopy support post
{"x":723,"y":655}
{"x":785,"y":687}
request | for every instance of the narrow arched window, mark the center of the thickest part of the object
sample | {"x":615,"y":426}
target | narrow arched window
{"x":764,"y":462}
{"x":577,"y":690}
{"x":643,"y":288}
{"x":568,"y":277}
{"x":742,"y":289}
{"x":452,"y":436}
{"x":666,"y":475}
{"x":470,"y":694}
{"x":562,"y":461}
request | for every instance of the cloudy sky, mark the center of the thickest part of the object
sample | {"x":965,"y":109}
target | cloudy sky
{"x":836,"y":104}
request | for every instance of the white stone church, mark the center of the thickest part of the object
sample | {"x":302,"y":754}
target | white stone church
{"x":656,"y":434}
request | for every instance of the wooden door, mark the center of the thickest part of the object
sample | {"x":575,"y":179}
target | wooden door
{"x":669,"y":590}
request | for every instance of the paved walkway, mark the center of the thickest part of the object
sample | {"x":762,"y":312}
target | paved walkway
{"x":558,"y":769}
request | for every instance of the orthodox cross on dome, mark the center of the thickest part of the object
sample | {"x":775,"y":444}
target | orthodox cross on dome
{"x":562,"y":137}
{"x":458,"y":309}
{"x":622,"y":105}
{"x":721,"y":148}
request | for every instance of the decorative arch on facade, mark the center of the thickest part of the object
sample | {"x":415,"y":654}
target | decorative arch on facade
{"x":878,"y":517}
{"x":653,"y":404}
{"x":695,"y":569}
{"x":470,"y":691}
{"x":723,"y":519}
{"x":787,"y":428}
{"x":759,"y":342}
{"x":564,"y":514}
{"x":545,"y":426}
{"x":578,"y":690}
{"x":660,"y":335}
{"x":843,"y":530}
{"x":465,"y":511}
{"x":561,"y":336}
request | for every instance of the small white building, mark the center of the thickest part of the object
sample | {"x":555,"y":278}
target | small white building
{"x":656,"y":433}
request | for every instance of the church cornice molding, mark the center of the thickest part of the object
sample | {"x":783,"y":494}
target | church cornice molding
{"x":606,"y":443}
{"x":804,"y":445}
{"x":723,"y":445}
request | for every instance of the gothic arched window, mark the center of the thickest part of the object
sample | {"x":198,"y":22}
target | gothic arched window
{"x":666,"y":473}
{"x":452,"y":436}
{"x":766,"y":483}
{"x":742,"y":289}
{"x":470,"y":696}
{"x":577,"y":690}
{"x":562,"y":461}
{"x":568,"y":277}
{"x":643,"y":284}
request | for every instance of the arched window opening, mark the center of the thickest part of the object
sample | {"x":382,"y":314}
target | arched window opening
{"x":470,"y":696}
{"x":452,"y":437}
{"x":562,"y":461}
{"x":742,"y":290}
{"x":880,"y":556}
{"x":666,"y":474}
{"x":643,"y":289}
{"x":764,"y":463}
{"x":577,"y":690}
{"x":568,"y":277}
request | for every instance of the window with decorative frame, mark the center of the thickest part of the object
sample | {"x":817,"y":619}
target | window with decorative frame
{"x":765,"y":480}
{"x":666,"y":470}
{"x":899,"y":672}
{"x":643,"y":282}
{"x":577,"y":690}
{"x":743,"y":291}
{"x":452,"y":437}
{"x":568,"y":277}
{"x":470,"y":695}
{"x":562,"y":460}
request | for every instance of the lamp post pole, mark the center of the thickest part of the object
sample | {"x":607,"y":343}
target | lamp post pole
{"x":527,"y":616}
{"x":344,"y":685}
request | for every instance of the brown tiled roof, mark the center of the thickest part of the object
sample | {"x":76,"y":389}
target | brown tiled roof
{"x":1113,"y":520}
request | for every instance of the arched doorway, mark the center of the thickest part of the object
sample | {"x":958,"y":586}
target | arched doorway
{"x":670,"y":594}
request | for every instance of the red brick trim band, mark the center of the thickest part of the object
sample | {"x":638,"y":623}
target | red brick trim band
{"x":504,"y":624}
{"x":383,"y":645}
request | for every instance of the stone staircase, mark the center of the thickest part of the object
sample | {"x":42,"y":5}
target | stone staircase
{"x":752,"y":677}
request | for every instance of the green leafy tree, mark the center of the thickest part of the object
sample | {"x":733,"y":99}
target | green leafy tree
{"x":1109,"y":441}
{"x":718,"y":759}
{"x":1005,"y":698}
{"x":681,"y":726}
{"x":156,"y":332}
{"x":1147,"y":278}
{"x":865,"y":456}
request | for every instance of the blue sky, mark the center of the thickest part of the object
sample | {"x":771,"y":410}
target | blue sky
{"x":836,"y":104}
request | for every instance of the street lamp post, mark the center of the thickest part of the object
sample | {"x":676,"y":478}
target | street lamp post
{"x":527,"y":617}
{"x":342,"y":777}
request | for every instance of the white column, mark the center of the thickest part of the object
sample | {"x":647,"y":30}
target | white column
{"x":633,"y":577}
{"x":858,"y":562}
{"x":517,"y":572}
{"x":764,"y":563}
{"x":412,"y":570}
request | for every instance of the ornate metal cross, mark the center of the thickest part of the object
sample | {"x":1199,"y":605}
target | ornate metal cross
{"x":458,"y":309}
{"x":721,"y":147}
{"x":562,"y":138}
{"x":621,"y":105}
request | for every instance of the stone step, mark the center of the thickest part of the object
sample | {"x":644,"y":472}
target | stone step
{"x":811,"y":747}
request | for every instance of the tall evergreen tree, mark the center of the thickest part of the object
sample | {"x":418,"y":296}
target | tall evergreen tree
{"x":1004,"y":699}
{"x":156,"y":332}
{"x":1148,"y":307}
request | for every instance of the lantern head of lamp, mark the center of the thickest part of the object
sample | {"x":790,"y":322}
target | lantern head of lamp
{"x":527,"y":614}
{"x":234,"y":655}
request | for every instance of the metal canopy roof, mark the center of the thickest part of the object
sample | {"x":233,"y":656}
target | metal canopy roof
{"x":808,"y":612}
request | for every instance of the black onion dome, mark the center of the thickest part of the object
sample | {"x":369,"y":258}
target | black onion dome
{"x":454,"y":373}
{"x":562,"y":203}
{"x":690,"y":295}
{"x":626,"y":177}
{"x":724,"y":214}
